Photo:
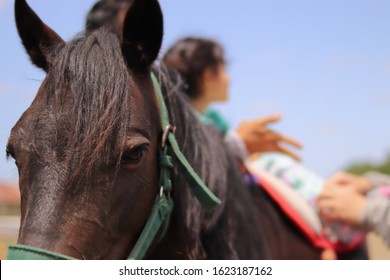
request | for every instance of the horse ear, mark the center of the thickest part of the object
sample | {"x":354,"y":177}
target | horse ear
{"x":36,"y":37}
{"x":142,"y":34}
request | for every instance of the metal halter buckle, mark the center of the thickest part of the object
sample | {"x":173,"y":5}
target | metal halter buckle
{"x":161,"y":191}
{"x":168,"y":194}
{"x":169,"y":128}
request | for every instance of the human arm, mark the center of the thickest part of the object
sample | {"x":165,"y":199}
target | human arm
{"x":377,"y":179}
{"x":347,"y":205}
{"x":360,"y":184}
{"x":376,"y":216}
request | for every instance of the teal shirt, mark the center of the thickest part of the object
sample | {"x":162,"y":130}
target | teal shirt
{"x":212,"y":117}
{"x":233,"y":141}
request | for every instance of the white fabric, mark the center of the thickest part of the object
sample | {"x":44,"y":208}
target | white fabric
{"x":292,"y":197}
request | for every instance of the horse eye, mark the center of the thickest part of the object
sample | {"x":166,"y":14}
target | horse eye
{"x":133,"y":156}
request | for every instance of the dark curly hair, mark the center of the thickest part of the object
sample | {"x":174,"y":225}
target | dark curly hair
{"x":106,"y":13}
{"x":190,"y":57}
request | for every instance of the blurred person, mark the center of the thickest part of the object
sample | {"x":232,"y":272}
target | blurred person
{"x":362,"y":201}
{"x":202,"y":65}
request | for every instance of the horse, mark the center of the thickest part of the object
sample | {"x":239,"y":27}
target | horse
{"x":91,"y":151}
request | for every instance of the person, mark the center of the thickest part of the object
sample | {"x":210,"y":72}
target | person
{"x":201,"y":64}
{"x":362,"y":201}
{"x":109,"y":14}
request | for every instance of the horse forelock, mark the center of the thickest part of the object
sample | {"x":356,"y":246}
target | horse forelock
{"x":83,"y":111}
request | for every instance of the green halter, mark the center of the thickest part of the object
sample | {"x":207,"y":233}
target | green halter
{"x":159,"y":218}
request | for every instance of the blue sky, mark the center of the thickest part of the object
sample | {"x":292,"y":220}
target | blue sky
{"x":324,"y":65}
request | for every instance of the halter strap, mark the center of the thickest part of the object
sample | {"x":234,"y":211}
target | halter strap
{"x":208,"y":200}
{"x":23,"y":252}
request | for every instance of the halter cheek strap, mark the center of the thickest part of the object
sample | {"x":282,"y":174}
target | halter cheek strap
{"x":208,"y":200}
{"x":159,"y":218}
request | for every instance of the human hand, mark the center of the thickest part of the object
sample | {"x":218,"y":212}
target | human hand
{"x":341,"y":204}
{"x":342,"y":179}
{"x":258,"y":138}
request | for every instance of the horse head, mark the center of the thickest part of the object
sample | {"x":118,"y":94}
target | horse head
{"x":86,"y":148}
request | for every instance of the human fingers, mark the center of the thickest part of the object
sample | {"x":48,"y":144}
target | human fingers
{"x":329,"y":184}
{"x":359,"y":183}
{"x":286,"y":151}
{"x":328,"y":192}
{"x":341,"y":178}
{"x":290,"y":141}
{"x":323,"y":195}
{"x":326,"y":208}
{"x":271,"y":135}
{"x":268,"y":120}
{"x":346,"y":208}
{"x":266,"y":134}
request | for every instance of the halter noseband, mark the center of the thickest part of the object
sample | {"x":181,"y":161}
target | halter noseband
{"x":159,"y":218}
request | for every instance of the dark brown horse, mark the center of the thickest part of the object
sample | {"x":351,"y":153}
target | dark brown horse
{"x":87,"y":154}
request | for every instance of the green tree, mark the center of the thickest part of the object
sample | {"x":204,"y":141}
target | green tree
{"x":361,"y":168}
